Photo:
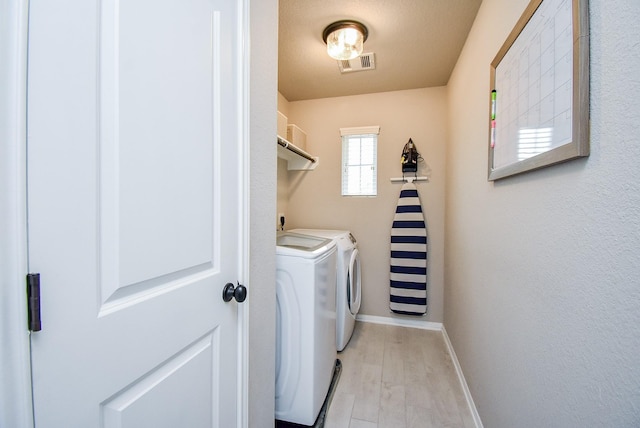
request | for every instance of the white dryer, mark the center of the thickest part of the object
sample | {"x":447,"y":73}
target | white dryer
{"x":349,"y":284}
{"x":305,"y":325}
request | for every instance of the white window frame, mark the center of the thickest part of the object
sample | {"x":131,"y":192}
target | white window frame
{"x":361,"y":131}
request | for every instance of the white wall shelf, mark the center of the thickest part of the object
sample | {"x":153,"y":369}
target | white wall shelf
{"x":408,"y":179}
{"x":297,"y":159}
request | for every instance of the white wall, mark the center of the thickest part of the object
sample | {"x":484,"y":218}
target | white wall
{"x":542,"y":295}
{"x":314,"y":196}
{"x":262,"y":269}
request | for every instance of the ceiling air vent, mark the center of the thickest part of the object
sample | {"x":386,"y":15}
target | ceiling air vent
{"x":366,"y":61}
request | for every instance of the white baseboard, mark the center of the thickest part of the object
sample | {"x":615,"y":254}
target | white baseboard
{"x":400,"y":322}
{"x":465,"y":388}
{"x":436,"y":326}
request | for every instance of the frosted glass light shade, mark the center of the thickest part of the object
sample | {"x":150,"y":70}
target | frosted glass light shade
{"x":346,"y":43}
{"x":345,"y":39}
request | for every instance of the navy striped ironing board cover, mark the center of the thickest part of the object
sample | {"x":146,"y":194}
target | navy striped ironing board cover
{"x":408,"y":285}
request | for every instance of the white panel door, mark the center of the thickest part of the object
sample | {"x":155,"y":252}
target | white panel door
{"x":133,"y":211}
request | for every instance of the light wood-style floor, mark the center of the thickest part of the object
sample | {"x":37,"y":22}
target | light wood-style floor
{"x":397,"y":377}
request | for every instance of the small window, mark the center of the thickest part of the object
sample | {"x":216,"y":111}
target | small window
{"x":359,"y":161}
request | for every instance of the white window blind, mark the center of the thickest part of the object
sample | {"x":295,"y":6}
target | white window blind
{"x":359,"y":161}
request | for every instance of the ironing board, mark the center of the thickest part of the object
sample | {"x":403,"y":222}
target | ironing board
{"x":408,"y":276}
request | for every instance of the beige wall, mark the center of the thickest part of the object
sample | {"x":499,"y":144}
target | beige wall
{"x":314,"y":199}
{"x":283,"y":106}
{"x":542,"y":296}
{"x":282,"y":202}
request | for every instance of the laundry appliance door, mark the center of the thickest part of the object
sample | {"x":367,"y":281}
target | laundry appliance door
{"x":354,"y":289}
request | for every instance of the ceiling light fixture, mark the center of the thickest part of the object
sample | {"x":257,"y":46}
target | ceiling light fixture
{"x":345,"y":39}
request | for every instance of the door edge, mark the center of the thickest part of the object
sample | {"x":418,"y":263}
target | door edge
{"x":15,"y":369}
{"x":244,"y":177}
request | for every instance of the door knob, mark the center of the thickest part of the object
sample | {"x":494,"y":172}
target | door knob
{"x":229,"y":292}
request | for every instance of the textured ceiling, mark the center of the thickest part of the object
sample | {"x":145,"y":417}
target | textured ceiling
{"x":416,"y":45}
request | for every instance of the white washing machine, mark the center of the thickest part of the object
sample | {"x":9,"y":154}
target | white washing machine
{"x":305,"y":325}
{"x":349,"y":284}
